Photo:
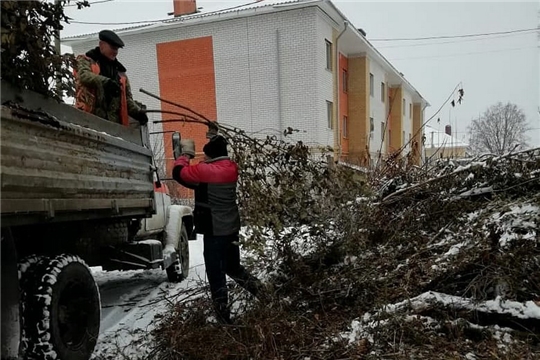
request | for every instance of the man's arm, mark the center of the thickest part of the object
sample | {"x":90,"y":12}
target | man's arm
{"x":85,"y":74}
{"x":182,"y":163}
{"x":133,"y":109}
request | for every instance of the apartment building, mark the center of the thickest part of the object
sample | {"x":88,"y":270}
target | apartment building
{"x":271,"y":65}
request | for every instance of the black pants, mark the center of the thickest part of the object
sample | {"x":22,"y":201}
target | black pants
{"x":221,"y":258}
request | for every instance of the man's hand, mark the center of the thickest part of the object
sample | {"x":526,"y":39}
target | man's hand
{"x":141,"y":117}
{"x":111,"y":88}
{"x":188,"y":147}
{"x":181,"y":161}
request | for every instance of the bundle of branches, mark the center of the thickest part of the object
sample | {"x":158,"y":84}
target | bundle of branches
{"x":293,"y":202}
{"x":288,"y":192}
{"x":510,"y":174}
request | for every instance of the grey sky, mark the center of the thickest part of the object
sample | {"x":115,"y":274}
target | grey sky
{"x":493,"y":68}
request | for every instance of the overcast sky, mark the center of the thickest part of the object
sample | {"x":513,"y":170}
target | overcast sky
{"x":491,"y":68}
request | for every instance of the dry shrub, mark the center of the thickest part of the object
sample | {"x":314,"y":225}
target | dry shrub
{"x":336,"y":243}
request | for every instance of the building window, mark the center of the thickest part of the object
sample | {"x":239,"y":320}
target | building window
{"x":410,"y":137}
{"x":371,"y":127}
{"x":404,"y":106}
{"x":344,"y":128}
{"x":371,"y":85}
{"x":403,"y":138}
{"x":330,"y":113}
{"x":344,"y":80}
{"x":410,"y":110}
{"x":328,"y":55}
{"x":382,"y":131}
{"x":382,"y":92}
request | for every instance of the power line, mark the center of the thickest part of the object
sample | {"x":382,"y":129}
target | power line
{"x":451,"y":42}
{"x":118,"y":23}
{"x":458,"y":36}
{"x":464,"y":54}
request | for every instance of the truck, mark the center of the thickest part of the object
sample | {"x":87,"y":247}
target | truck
{"x":76,"y":191}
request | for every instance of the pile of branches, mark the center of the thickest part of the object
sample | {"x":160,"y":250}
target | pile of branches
{"x":446,"y":250}
{"x":416,"y":261}
{"x":335,"y":244}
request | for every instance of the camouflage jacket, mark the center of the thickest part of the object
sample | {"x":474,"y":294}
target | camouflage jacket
{"x":107,"y":106}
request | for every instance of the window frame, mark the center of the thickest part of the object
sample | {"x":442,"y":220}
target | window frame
{"x":329,"y":54}
{"x":330,"y":114}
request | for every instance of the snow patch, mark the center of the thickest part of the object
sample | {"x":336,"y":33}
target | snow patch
{"x":149,"y":242}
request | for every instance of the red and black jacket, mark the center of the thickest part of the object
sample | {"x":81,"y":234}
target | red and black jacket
{"x":214,"y":182}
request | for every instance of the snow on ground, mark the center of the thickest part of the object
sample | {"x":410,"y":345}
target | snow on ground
{"x":366,"y":326}
{"x":133,"y":300}
{"x":130,"y":301}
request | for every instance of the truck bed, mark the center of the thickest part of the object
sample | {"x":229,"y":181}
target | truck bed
{"x":59,"y":164}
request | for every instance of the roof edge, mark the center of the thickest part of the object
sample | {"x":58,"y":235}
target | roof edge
{"x":217,"y":15}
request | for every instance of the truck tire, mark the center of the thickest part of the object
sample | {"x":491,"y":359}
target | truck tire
{"x":26,"y":269}
{"x":62,"y":310}
{"x":179,"y":270}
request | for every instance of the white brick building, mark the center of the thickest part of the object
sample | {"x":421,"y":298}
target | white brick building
{"x":267,"y":67}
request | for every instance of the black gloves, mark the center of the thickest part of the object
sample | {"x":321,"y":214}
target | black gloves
{"x":141,"y":117}
{"x":111,"y":88}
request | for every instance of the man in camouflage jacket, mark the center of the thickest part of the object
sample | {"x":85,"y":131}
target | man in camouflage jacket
{"x":102,"y":87}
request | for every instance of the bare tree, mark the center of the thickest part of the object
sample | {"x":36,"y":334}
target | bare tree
{"x":158,"y":151}
{"x":500,"y":129}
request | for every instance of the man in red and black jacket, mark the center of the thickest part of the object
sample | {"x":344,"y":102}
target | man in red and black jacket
{"x":216,"y":217}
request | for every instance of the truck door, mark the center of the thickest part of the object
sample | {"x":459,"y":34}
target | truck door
{"x":158,"y":221}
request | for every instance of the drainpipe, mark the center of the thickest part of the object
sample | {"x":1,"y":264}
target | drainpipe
{"x":280,"y":110}
{"x":336,"y":80}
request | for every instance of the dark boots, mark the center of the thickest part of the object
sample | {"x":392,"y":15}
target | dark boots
{"x":222,"y":257}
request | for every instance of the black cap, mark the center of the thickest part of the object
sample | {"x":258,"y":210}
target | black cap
{"x":110,"y":37}
{"x":216,"y":147}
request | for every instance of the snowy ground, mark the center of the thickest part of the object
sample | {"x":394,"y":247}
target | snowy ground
{"x":130,"y":301}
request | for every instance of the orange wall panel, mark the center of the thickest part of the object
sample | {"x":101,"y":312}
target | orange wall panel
{"x":187,"y":77}
{"x":343,"y":103}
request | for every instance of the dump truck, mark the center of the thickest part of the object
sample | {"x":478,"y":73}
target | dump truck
{"x":76,"y":191}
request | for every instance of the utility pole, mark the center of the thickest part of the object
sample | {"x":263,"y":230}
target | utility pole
{"x":58,"y":49}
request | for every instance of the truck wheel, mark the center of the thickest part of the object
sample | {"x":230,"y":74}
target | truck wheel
{"x":62,"y":310}
{"x":26,"y":269}
{"x":179,"y":270}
